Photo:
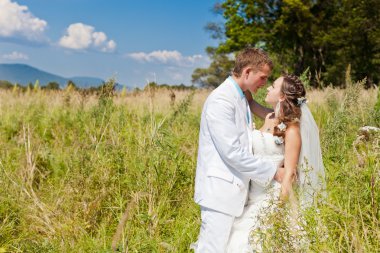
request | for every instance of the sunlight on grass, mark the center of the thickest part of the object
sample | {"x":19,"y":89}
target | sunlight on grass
{"x":83,"y":173}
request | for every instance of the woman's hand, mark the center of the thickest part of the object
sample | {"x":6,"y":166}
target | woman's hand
{"x":287,"y":185}
{"x":279,"y":174}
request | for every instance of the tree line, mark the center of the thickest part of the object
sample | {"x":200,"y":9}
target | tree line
{"x":325,"y":36}
{"x":6,"y":85}
{"x":55,"y":86}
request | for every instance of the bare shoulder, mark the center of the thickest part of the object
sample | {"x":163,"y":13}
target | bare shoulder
{"x":293,"y":131}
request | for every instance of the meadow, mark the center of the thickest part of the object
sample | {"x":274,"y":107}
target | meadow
{"x":115,"y":171}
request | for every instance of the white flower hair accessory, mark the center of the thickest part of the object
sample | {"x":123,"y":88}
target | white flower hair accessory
{"x":281,"y":126}
{"x":278,"y":140}
{"x":301,"y":100}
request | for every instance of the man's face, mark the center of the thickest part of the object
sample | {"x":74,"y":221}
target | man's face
{"x":257,"y":79}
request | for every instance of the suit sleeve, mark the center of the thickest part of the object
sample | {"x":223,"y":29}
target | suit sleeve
{"x":220,"y":118}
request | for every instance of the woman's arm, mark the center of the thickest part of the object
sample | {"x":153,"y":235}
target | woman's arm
{"x":292,"y":152}
{"x":256,"y":108}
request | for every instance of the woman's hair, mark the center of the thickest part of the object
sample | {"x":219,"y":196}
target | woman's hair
{"x":253,"y":57}
{"x":290,"y":111}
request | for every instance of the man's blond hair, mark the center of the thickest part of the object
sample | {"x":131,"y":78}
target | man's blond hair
{"x":252,"y":57}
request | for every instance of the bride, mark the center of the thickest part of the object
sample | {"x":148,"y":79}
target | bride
{"x":290,"y":137}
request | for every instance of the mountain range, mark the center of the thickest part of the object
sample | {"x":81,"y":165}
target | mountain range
{"x":24,"y":74}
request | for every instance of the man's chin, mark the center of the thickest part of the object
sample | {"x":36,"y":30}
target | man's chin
{"x":254,"y":90}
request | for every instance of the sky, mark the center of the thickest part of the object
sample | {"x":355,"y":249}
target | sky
{"x":135,"y":42}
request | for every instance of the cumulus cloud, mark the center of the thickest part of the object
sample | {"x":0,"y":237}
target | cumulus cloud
{"x":81,"y":36}
{"x":165,"y":56}
{"x":15,"y":56}
{"x":16,"y":21}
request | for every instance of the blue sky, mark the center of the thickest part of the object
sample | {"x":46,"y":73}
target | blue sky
{"x":134,"y":41}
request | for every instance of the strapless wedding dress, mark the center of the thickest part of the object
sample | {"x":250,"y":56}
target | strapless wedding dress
{"x":259,"y":198}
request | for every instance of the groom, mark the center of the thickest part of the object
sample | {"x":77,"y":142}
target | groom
{"x":225,"y":164}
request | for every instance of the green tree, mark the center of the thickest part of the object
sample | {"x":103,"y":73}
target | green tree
{"x":5,"y":85}
{"x":218,"y":70}
{"x":325,"y":36}
{"x":52,"y":86}
{"x":353,"y":38}
{"x":151,"y":85}
{"x":71,"y":85}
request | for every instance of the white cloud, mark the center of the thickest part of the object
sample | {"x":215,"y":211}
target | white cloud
{"x":110,"y":46}
{"x":177,"y":74}
{"x":177,"y":77}
{"x":80,"y":37}
{"x":99,"y":38}
{"x":15,"y":56}
{"x":16,"y":21}
{"x":195,"y":58}
{"x":165,"y":56}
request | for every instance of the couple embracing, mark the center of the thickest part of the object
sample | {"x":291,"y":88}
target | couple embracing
{"x":240,"y":169}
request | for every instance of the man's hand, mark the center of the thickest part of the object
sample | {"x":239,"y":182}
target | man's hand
{"x":279,"y":174}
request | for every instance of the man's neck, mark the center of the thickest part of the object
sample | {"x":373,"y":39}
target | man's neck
{"x":239,"y":82}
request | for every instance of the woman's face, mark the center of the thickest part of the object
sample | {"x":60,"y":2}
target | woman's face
{"x":274,"y":92}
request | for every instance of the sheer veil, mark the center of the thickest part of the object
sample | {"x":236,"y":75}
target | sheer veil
{"x":311,"y":172}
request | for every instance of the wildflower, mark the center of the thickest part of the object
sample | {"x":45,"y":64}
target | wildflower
{"x":278,"y":140}
{"x":301,"y":100}
{"x":281,"y":126}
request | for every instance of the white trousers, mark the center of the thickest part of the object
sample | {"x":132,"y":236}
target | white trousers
{"x":215,"y":231}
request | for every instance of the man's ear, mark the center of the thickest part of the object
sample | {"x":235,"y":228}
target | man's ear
{"x":246,"y":71}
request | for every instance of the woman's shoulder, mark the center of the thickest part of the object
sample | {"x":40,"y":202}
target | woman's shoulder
{"x":293,"y":131}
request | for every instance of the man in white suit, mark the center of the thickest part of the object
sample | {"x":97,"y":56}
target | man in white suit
{"x":225,"y":163}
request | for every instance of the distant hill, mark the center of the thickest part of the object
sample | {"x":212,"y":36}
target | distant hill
{"x":85,"y":82}
{"x":24,"y":74}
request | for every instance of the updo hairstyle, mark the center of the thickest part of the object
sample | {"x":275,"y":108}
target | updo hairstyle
{"x":289,"y":111}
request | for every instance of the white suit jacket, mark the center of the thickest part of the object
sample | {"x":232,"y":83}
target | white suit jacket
{"x":225,"y":163}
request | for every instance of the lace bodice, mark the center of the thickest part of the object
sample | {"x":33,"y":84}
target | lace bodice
{"x":263,"y":146}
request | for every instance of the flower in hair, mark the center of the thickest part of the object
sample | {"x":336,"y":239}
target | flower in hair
{"x":278,"y":140}
{"x":281,"y":126}
{"x":301,"y":100}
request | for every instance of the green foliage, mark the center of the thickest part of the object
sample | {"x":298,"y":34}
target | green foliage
{"x":305,"y":78}
{"x":155,"y":86}
{"x":71,"y":85}
{"x":68,"y":173}
{"x":5,"y":85}
{"x":345,"y":118}
{"x":216,"y":73}
{"x":52,"y":86}
{"x":321,"y":35}
{"x":376,"y":110}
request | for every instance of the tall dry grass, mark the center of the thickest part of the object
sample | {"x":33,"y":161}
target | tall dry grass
{"x":83,"y":173}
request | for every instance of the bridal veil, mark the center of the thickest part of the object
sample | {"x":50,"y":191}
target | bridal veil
{"x":311,"y":172}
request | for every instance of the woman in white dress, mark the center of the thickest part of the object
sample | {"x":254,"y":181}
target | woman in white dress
{"x":290,"y":138}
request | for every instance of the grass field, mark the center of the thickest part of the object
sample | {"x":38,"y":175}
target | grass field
{"x":86,"y":173}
